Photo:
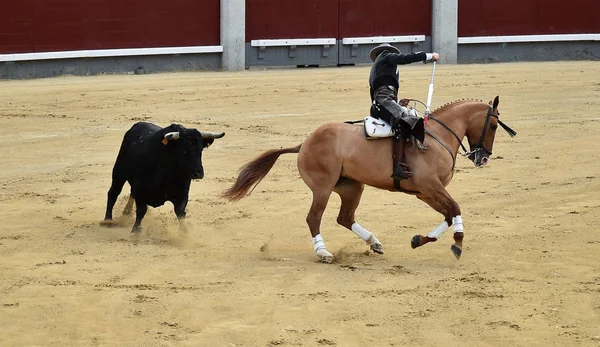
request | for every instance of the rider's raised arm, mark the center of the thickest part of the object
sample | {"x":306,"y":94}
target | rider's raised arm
{"x":408,"y":58}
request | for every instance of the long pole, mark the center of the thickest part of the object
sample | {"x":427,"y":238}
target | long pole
{"x":430,"y":92}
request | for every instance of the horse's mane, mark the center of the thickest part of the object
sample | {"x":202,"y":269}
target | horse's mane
{"x":454,"y":104}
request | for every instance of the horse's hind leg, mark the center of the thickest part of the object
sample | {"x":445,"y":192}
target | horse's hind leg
{"x":350,"y":191}
{"x":320,"y":173}
{"x":313,"y":219}
{"x":442,"y":202}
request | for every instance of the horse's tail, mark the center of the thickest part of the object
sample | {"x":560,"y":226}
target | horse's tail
{"x":253,"y":172}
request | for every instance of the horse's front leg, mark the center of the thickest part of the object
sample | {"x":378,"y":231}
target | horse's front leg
{"x":442,"y":202}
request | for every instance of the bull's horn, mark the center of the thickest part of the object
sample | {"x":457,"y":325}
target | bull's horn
{"x":172,"y":135}
{"x":211,"y":135}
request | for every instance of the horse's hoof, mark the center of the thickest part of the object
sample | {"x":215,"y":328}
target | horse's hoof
{"x":457,"y":251}
{"x":415,"y":242}
{"x":327,"y":259}
{"x":377,"y":248}
{"x":325,"y":256}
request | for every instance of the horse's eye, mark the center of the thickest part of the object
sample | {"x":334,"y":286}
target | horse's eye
{"x":494,"y":126}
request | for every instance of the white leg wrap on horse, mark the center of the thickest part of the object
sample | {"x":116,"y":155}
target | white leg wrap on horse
{"x":318,"y":242}
{"x":361,"y":232}
{"x":438,"y":231}
{"x":457,"y":224}
{"x":373,"y":240}
{"x":319,"y":246}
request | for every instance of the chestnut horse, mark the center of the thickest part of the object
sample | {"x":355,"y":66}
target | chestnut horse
{"x":338,"y":157}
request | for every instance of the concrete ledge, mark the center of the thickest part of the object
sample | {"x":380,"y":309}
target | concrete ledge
{"x":143,"y":64}
{"x":358,"y":53}
{"x":528,"y":51}
{"x":110,"y":53}
{"x":293,"y":42}
{"x":529,"y":38}
{"x":382,"y":39}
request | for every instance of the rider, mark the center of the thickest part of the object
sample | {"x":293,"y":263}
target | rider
{"x":384,"y":82}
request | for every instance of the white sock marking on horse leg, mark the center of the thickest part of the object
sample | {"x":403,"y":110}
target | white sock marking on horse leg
{"x":457,"y":224}
{"x":438,"y":231}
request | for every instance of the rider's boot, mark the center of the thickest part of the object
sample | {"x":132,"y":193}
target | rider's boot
{"x":401,"y":169}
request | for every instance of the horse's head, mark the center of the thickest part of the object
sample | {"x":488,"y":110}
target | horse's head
{"x":481,"y":133}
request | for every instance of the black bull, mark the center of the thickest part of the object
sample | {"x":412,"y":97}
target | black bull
{"x":159,"y":165}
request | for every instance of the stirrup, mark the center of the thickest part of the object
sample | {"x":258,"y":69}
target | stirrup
{"x":402,"y":172}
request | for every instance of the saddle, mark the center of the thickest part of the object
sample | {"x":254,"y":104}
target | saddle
{"x":376,"y":127}
{"x":377,"y":124}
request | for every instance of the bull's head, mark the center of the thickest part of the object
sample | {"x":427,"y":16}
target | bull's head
{"x":185,"y":146}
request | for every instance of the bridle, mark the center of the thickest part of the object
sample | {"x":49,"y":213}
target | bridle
{"x":479,"y":146}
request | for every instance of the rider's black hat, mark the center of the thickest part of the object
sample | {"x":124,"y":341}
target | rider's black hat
{"x":382,"y":47}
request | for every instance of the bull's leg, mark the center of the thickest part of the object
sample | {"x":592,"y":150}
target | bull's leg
{"x":350,"y":191}
{"x":442,"y":202}
{"x":129,"y":206}
{"x":113,"y":194}
{"x":140,"y":211}
{"x":179,"y":206}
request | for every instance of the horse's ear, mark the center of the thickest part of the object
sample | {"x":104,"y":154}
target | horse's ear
{"x":496,"y":102}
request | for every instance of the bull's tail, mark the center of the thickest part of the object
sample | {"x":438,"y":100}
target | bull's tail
{"x":254,"y":171}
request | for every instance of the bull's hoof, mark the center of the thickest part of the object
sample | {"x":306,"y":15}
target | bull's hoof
{"x":183,"y":227}
{"x":377,"y":248}
{"x":457,"y":251}
{"x":108,"y":223}
{"x":136,"y":229}
{"x":415,"y":242}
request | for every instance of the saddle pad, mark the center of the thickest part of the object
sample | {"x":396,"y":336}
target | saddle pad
{"x":377,"y":128}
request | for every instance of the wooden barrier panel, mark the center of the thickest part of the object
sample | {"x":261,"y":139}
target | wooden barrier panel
{"x":527,"y":17}
{"x":324,"y":32}
{"x":365,"y":18}
{"x":291,"y":19}
{"x":15,"y":27}
{"x":63,"y":25}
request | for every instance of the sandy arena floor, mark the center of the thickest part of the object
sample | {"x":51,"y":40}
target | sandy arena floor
{"x":246,"y":273}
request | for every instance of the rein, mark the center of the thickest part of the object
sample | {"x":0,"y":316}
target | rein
{"x":429,"y":116}
{"x":478,"y":147}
